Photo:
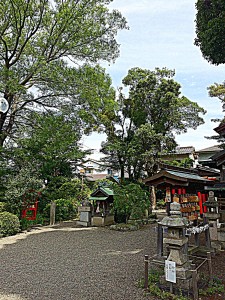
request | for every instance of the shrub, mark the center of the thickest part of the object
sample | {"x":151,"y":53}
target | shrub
{"x":62,"y":188}
{"x":65,"y":210}
{"x":2,"y":206}
{"x":130,"y":201}
{"x":9,"y":224}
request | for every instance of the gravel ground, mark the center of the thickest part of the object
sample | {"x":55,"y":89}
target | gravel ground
{"x":75,"y":263}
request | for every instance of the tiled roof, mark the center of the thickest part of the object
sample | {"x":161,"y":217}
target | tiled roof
{"x":184,"y":150}
{"x":94,"y":177}
{"x":214,"y":148}
{"x":186,"y":175}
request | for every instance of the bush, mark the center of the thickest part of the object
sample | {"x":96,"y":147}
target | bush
{"x":130,"y":201}
{"x":65,"y":210}
{"x":2,"y":206}
{"x":9,"y":224}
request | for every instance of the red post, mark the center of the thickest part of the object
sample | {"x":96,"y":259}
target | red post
{"x":200,"y":203}
{"x":204,"y":198}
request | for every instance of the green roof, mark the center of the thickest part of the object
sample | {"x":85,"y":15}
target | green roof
{"x":98,"y":198}
{"x":106,"y":190}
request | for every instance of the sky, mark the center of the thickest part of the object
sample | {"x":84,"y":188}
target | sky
{"x":162,"y":34}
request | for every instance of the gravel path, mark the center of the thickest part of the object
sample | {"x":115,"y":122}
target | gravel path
{"x":74,"y":263}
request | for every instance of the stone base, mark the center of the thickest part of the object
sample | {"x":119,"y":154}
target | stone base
{"x":221,"y":237}
{"x":184,"y":284}
{"x":212,"y":216}
{"x":83,"y":223}
{"x":102,"y":221}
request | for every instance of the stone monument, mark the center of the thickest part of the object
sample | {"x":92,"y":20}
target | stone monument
{"x":85,"y":214}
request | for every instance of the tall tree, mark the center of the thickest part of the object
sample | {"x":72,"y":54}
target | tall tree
{"x":51,"y":146}
{"x":210,"y":30}
{"x":147,"y":120}
{"x":38,"y":39}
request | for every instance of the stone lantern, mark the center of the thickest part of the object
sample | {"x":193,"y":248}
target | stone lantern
{"x":212,"y":206}
{"x":177,"y":242}
{"x":213,"y":216}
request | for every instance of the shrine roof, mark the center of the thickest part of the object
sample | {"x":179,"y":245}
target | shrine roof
{"x":219,"y":157}
{"x":107,"y":190}
{"x":102,"y":192}
{"x":186,"y":175}
{"x":175,"y":176}
{"x":98,"y":198}
{"x":214,"y":148}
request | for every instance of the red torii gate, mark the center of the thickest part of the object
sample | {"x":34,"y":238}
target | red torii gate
{"x":30,"y":205}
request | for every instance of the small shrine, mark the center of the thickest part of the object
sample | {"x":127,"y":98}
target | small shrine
{"x":185,"y":187}
{"x":102,"y":201}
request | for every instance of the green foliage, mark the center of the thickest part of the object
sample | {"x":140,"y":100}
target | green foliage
{"x":2,"y":206}
{"x":50,"y":145}
{"x":27,"y":224}
{"x":210,"y":30}
{"x":160,"y":203}
{"x":74,"y":189}
{"x":24,"y":224}
{"x":9,"y":224}
{"x":51,"y":191}
{"x":62,"y":187}
{"x":154,"y":290}
{"x":18,"y":185}
{"x":130,"y":200}
{"x":185,"y":162}
{"x":146,"y":121}
{"x":102,"y":182}
{"x":215,"y":286}
{"x":65,"y":210}
{"x":46,"y":35}
{"x":218,"y":90}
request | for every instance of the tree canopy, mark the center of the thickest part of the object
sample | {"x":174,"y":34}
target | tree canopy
{"x":51,"y":145}
{"x":44,"y":50}
{"x":146,"y":121}
{"x":210,"y":30}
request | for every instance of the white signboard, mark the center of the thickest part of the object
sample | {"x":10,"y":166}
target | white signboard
{"x":170,"y":271}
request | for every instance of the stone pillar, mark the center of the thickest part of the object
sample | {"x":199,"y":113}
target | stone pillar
{"x":176,"y":242}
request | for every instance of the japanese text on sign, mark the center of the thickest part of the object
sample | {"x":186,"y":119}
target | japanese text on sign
{"x":170,"y":271}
